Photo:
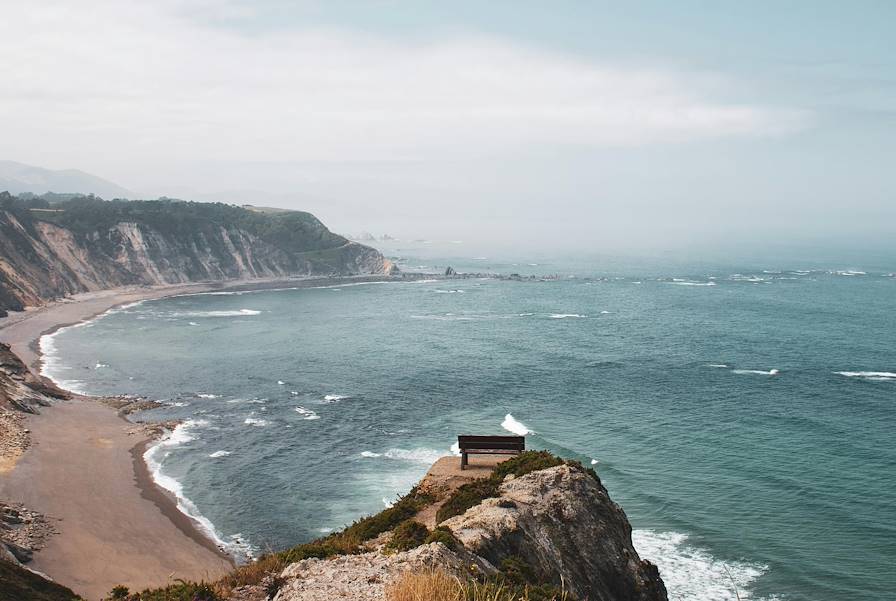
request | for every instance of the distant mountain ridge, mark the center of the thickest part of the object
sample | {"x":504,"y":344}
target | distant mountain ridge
{"x":48,"y":251}
{"x":18,"y":178}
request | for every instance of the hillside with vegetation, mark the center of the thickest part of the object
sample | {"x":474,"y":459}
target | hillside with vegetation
{"x":52,"y":246}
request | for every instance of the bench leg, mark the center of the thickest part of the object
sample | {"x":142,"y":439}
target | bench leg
{"x":463,"y":461}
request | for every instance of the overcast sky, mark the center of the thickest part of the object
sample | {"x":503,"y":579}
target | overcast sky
{"x":576,"y":124}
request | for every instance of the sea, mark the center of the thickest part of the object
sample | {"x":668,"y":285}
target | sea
{"x":743,"y":413}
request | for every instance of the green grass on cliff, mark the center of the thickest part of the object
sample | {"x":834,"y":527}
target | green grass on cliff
{"x":346,"y":542}
{"x":18,"y":584}
{"x":515,"y":577}
{"x":473,"y":493}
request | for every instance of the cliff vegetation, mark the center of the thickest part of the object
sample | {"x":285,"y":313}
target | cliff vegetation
{"x":57,"y":245}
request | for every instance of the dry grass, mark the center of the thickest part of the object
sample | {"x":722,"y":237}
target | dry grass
{"x":425,"y":586}
{"x":436,"y":585}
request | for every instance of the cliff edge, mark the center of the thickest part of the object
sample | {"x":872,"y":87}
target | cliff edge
{"x":535,"y":527}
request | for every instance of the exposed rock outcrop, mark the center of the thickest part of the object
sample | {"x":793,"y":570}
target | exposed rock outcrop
{"x":558,"y":522}
{"x":87,"y":244}
{"x":20,"y":389}
{"x":365,"y":577}
{"x":563,"y":524}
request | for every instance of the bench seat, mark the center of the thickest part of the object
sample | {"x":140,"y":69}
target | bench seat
{"x":489,"y":445}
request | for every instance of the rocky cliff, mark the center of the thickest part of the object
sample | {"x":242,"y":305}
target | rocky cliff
{"x":86,"y":244}
{"x":20,"y":389}
{"x":539,"y":533}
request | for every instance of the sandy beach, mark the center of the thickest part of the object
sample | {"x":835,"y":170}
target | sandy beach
{"x":85,"y":471}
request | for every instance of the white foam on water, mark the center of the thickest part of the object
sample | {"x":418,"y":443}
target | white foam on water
{"x":370,"y":454}
{"x":307,"y":414}
{"x":771,"y":372}
{"x":511,"y":424}
{"x":255,"y":421}
{"x":439,"y":291}
{"x":178,"y":404}
{"x":604,"y":312}
{"x":564,"y":315}
{"x":153,"y":457}
{"x":51,"y":365}
{"x":335,"y":398}
{"x":594,"y":462}
{"x":239,"y":313}
{"x":100,"y":365}
{"x":848,"y":272}
{"x":281,"y":382}
{"x":686,"y":283}
{"x":193,"y":323}
{"x":873,"y":376}
{"x":205,"y":395}
{"x":455,"y":449}
{"x":693,"y":574}
{"x":387,"y":503}
{"x":217,"y":454}
{"x":525,"y":314}
{"x":717,"y":365}
{"x":420,"y":455}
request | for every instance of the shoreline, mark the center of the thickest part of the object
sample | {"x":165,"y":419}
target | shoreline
{"x":65,"y":560}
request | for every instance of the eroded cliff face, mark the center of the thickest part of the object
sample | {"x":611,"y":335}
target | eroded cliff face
{"x":559,"y":522}
{"x":20,"y":389}
{"x":50,"y":253}
{"x":563,"y":524}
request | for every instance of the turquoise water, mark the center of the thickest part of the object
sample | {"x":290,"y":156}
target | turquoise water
{"x":743,"y":416}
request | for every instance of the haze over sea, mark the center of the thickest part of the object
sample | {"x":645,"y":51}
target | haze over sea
{"x":742,"y":414}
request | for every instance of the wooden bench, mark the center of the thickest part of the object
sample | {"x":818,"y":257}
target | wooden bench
{"x":489,"y":445}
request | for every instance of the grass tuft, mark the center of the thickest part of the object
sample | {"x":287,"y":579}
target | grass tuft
{"x":436,"y":585}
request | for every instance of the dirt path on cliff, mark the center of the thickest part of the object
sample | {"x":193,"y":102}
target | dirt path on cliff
{"x":445,"y":476}
{"x":114,"y":527}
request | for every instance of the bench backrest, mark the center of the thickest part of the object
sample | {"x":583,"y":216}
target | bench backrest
{"x":509,"y":443}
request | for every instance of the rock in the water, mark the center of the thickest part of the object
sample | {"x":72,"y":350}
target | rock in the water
{"x":450,"y":271}
{"x":561,"y":522}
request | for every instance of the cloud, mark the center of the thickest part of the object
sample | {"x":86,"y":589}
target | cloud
{"x":145,"y":80}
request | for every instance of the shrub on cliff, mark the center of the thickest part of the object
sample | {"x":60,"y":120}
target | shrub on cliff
{"x":407,"y":535}
{"x":18,"y":584}
{"x":181,"y":590}
{"x":441,"y":534}
{"x":473,"y":493}
{"x":346,"y":542}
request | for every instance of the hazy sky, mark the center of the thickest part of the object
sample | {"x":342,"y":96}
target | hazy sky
{"x":577,"y":124}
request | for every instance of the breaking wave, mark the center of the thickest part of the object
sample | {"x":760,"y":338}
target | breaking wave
{"x":420,"y":455}
{"x":306,"y":414}
{"x":153,"y":457}
{"x":872,"y":376}
{"x":759,"y":372}
{"x":511,"y":424}
{"x":693,"y":574}
{"x":217,"y":454}
{"x":564,"y":315}
{"x":237,"y":313}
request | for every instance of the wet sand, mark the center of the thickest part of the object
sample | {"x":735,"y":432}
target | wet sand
{"x":116,"y":526}
{"x":85,"y":467}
